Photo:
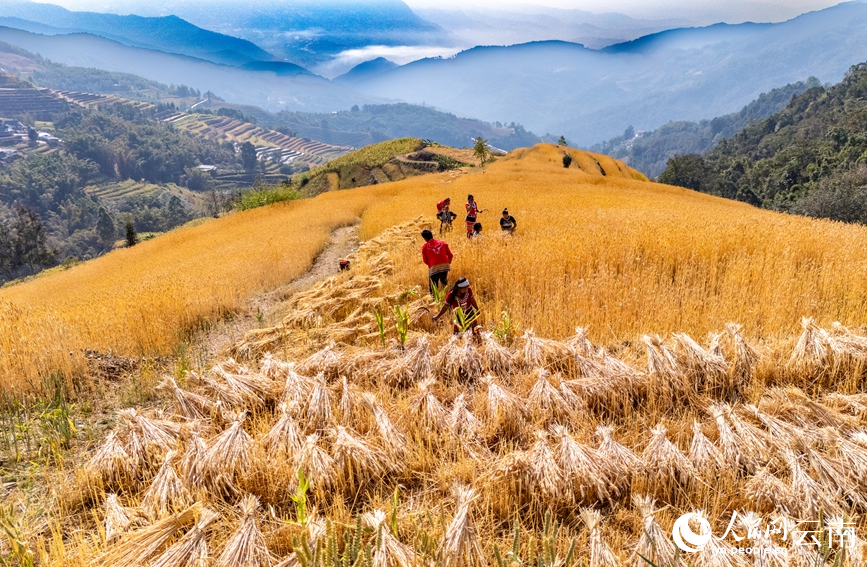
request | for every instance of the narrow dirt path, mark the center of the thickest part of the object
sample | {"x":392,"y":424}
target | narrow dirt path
{"x":267,"y":309}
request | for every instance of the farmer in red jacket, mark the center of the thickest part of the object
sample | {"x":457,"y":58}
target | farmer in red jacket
{"x":438,"y":258}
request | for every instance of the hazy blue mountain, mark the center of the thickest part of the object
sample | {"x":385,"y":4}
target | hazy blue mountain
{"x":688,"y":38}
{"x":510,"y":25}
{"x":366,"y":70}
{"x":170,"y":33}
{"x":311,"y":32}
{"x":268,"y":89}
{"x":589,"y":96}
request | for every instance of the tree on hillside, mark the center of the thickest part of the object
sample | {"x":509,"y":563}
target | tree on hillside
{"x":131,"y":235}
{"x":562,"y":141}
{"x":688,"y":171}
{"x":105,"y":228}
{"x":248,"y":156}
{"x":481,"y":150}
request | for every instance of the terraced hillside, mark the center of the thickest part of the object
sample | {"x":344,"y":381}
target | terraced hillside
{"x":271,"y":145}
{"x":19,"y":97}
{"x":118,"y":192}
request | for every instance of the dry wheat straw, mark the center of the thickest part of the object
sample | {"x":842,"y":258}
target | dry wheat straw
{"x":654,"y":544}
{"x":226,"y":457}
{"x":704,"y":456}
{"x":246,"y":547}
{"x":192,"y":549}
{"x":665,"y":465}
{"x":285,"y":438}
{"x":388,"y":551}
{"x":460,"y":546}
{"x":167,"y":493}
{"x":117,"y":518}
{"x":591,"y":475}
{"x":134,"y":548}
{"x":600,"y":553}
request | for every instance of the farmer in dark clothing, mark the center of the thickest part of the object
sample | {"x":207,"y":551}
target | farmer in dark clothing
{"x":508,"y":222}
{"x":438,"y":258}
{"x":461,"y":295}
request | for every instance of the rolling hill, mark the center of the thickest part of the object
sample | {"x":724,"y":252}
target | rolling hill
{"x":589,"y":96}
{"x":455,"y":435}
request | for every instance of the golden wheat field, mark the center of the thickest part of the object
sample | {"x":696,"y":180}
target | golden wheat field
{"x":690,"y":385}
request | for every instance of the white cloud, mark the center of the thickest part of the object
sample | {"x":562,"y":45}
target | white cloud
{"x":400,"y":54}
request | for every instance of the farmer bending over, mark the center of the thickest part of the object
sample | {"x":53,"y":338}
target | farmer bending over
{"x":461,"y":295}
{"x":438,"y":258}
{"x":508,"y":222}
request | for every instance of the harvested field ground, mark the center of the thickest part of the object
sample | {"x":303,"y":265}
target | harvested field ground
{"x":456,"y":451}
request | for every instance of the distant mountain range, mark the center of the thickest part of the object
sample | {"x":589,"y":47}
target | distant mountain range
{"x":589,"y":95}
{"x":273,"y":89}
{"x":170,"y":33}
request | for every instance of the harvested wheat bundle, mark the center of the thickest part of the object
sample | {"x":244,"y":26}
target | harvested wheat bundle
{"x":225,"y":457}
{"x":549,"y":481}
{"x":546,"y":353}
{"x":754,"y":440}
{"x":591,"y":475}
{"x":188,"y":404}
{"x":191,"y":463}
{"x":458,"y":359}
{"x":110,"y":462}
{"x":274,"y":369}
{"x":787,"y":434}
{"x":285,"y":438}
{"x":246,"y":547}
{"x":654,"y":544}
{"x":349,"y":405}
{"x":146,"y":438}
{"x":508,"y":481}
{"x":506,"y":412}
{"x":136,"y":547}
{"x":415,"y":364}
{"x":600,"y":553}
{"x":581,"y":345}
{"x":809,"y":413}
{"x":296,"y":388}
{"x":854,"y":457}
{"x":809,"y":494}
{"x":317,"y":465}
{"x":254,"y":389}
{"x":855,"y":404}
{"x":545,"y":401}
{"x":704,"y":456}
{"x":393,"y":440}
{"x":191,"y":550}
{"x":812,"y":351}
{"x":462,"y":422}
{"x":666,"y":379}
{"x":460,"y":546}
{"x":728,"y":441}
{"x":769,"y":493}
{"x":388,"y":550}
{"x":319,"y":406}
{"x":497,"y":359}
{"x":625,"y":464}
{"x":167,"y":493}
{"x":357,"y":460}
{"x":427,"y":409}
{"x":327,"y":361}
{"x":833,"y":476}
{"x":744,"y":357}
{"x":706,"y":370}
{"x":665,"y":465}
{"x":117,"y":518}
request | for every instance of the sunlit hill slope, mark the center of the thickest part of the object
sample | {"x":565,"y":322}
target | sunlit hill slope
{"x":597,"y":245}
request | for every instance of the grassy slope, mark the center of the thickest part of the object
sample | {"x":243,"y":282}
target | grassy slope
{"x":624,"y":256}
